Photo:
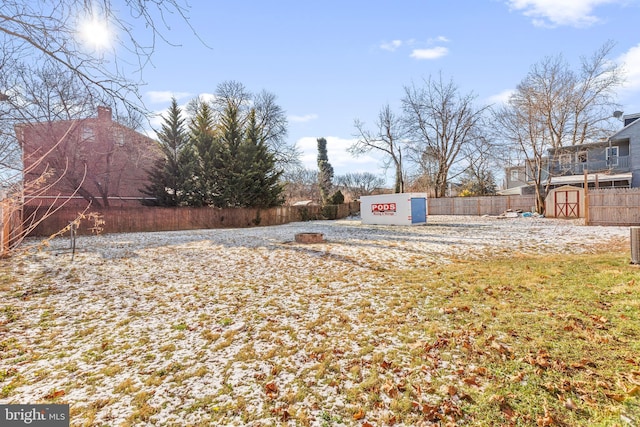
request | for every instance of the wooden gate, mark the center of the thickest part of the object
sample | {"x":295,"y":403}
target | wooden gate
{"x":567,"y":204}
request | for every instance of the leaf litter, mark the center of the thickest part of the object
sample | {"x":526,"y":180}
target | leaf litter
{"x":248,"y":327}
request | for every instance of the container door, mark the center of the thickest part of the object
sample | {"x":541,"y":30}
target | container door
{"x":418,"y":210}
{"x":567,"y":204}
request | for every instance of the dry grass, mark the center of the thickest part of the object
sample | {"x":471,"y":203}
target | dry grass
{"x":526,"y":339}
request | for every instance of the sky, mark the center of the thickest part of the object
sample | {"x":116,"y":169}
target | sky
{"x":331,"y":62}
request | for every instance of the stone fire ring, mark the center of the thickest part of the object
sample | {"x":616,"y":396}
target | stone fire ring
{"x":309,"y":238}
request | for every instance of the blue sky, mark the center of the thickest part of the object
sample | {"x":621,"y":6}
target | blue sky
{"x":330,"y":62}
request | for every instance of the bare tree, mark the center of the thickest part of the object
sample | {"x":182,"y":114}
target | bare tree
{"x":301,"y":184}
{"x":482,"y":160}
{"x":575,"y":107}
{"x":270,"y":117}
{"x":46,"y":67}
{"x":360,"y":183}
{"x":554,"y":107}
{"x":272,"y":121}
{"x":40,"y":30}
{"x":387,"y":138}
{"x":440,"y":122}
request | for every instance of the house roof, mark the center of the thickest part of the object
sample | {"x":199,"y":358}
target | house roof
{"x":623,"y":133}
{"x":513,"y":191}
{"x":592,"y":177}
{"x":579,"y":147}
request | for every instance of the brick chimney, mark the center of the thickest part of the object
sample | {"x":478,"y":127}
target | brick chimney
{"x":104,"y":114}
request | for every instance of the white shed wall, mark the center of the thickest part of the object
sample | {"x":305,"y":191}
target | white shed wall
{"x":389,"y":209}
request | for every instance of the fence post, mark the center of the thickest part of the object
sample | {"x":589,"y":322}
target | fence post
{"x":5,"y":232}
{"x":586,"y":198}
{"x":635,"y":245}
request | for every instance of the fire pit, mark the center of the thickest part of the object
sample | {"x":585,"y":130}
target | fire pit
{"x":309,"y":238}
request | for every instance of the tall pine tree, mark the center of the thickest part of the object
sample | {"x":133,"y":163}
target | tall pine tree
{"x":263,"y":187}
{"x":224,"y":159}
{"x":169,"y":174}
{"x":247,"y":169}
{"x":325,"y":171}
{"x":227,"y":159}
{"x":204,"y":185}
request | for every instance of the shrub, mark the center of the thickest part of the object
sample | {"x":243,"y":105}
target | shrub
{"x":330,"y":211}
{"x":337,"y":198}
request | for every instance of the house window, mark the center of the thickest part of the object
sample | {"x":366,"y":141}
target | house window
{"x":581,"y":157}
{"x":88,"y":134}
{"x":514,"y":174}
{"x":565,"y":161}
{"x":612,"y":156}
{"x":119,"y":136}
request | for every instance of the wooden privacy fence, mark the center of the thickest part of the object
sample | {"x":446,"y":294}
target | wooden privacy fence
{"x":142,"y":219}
{"x":603,"y":207}
{"x":10,"y":229}
{"x":487,"y":205}
{"x":613,"y":207}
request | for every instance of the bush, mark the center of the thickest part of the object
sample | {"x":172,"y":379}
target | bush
{"x":305,"y":215}
{"x":330,"y":211}
{"x":337,"y":198}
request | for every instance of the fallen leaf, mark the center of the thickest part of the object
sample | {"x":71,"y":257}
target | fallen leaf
{"x":614,"y":396}
{"x":570,"y":404}
{"x":545,"y":421}
{"x":471,"y":381}
{"x":508,"y":411}
{"x":55,"y":394}
{"x":358,"y":415}
{"x":635,"y":391}
{"x":271,"y":389}
{"x":451,"y":390}
{"x":482,"y":371}
{"x":517,"y":378}
{"x":282,"y":413}
{"x":390,"y":389}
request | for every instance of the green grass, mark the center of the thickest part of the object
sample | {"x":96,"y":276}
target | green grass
{"x":535,"y":340}
{"x":519,"y":340}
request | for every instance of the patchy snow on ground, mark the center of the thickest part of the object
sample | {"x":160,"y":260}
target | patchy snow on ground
{"x":232,"y":326}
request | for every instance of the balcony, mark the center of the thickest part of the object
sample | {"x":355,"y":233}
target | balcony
{"x":617,"y":164}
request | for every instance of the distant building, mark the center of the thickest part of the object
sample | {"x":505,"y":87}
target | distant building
{"x":92,"y":160}
{"x":610,"y":163}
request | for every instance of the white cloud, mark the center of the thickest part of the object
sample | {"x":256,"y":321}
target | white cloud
{"x":439,"y":39}
{"x":500,"y":98}
{"x":159,"y":97}
{"x":391,"y":46}
{"x":630,"y":61}
{"x":303,"y":119}
{"x":552,"y":13}
{"x":431,"y":53}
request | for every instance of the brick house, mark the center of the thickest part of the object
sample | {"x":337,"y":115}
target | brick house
{"x":93,"y":160}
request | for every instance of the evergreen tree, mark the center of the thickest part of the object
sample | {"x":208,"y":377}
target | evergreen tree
{"x":169,"y":174}
{"x":263,"y":187}
{"x":325,"y":171}
{"x":246,"y":166}
{"x":204,"y":186}
{"x":227,"y":159}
